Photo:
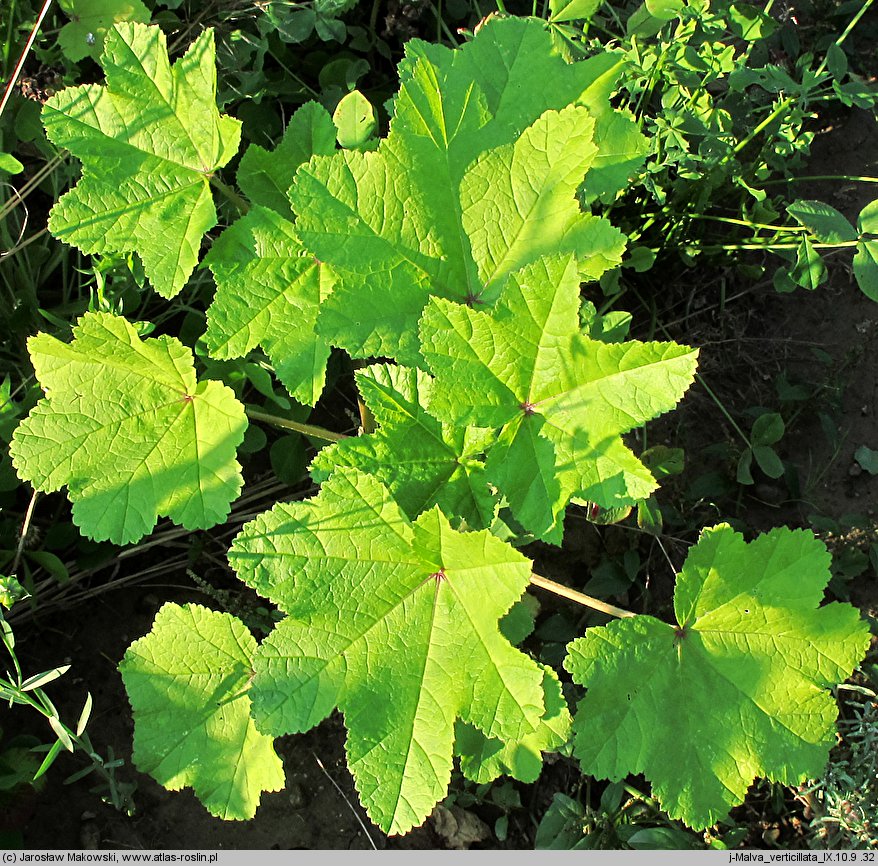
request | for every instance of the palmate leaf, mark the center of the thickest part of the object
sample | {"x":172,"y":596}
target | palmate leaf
{"x":187,"y":683}
{"x":477,"y":177}
{"x":129,"y":430}
{"x":269,"y":288}
{"x":394,"y":623}
{"x":149,"y":142}
{"x":736,"y":689}
{"x":421,"y":461}
{"x":561,"y":398}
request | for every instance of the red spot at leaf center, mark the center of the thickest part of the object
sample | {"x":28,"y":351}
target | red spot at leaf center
{"x":438,"y":576}
{"x":527,"y":408}
{"x":188,"y":398}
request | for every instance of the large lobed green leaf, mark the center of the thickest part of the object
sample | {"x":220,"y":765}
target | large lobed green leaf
{"x":561,"y":399}
{"x":149,"y":142}
{"x":129,"y":430}
{"x":477,"y":177}
{"x":187,"y":682}
{"x":736,"y":689}
{"x":392,"y":622}
{"x":421,"y":461}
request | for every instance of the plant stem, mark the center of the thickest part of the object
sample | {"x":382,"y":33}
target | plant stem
{"x":25,"y":526}
{"x":846,"y":32}
{"x":855,"y":177}
{"x":722,"y":409}
{"x":306,"y":429}
{"x":25,"y":51}
{"x":578,"y":597}
{"x":237,"y":201}
{"x":767,"y":247}
{"x":746,"y":223}
{"x":34,"y":182}
{"x":22,"y":244}
{"x":781,"y":108}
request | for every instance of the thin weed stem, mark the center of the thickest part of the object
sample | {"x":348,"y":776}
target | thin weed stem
{"x":306,"y":429}
{"x":25,"y":51}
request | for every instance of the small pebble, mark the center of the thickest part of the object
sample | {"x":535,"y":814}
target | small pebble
{"x":296,"y":796}
{"x":769,"y":493}
{"x":855,"y":470}
{"x":90,"y":836}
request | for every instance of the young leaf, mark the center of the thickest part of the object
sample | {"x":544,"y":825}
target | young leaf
{"x":149,"y":142}
{"x":265,"y":176}
{"x":570,"y":10}
{"x":867,"y":459}
{"x":395,"y":623}
{"x":355,"y":120}
{"x":561,"y":398}
{"x":9,"y":164}
{"x":269,"y":291}
{"x":421,"y":461}
{"x":187,"y":682}
{"x":129,"y":430}
{"x":736,"y":689}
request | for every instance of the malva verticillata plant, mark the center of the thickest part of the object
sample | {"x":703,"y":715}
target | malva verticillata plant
{"x":454,"y":249}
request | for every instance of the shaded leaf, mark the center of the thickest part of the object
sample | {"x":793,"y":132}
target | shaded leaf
{"x":187,"y":682}
{"x":265,"y":176}
{"x":421,"y":461}
{"x":269,"y":292}
{"x":866,"y":258}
